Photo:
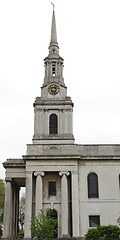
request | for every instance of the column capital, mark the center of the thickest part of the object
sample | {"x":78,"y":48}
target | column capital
{"x":64,"y":173}
{"x":8,"y":179}
{"x":39,"y":173}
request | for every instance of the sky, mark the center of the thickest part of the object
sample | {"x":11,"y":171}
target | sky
{"x":88,"y":33}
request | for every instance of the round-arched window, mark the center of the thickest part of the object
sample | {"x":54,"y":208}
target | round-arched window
{"x":92,"y":185}
{"x":53,"y":124}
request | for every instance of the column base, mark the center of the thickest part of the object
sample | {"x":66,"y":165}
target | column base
{"x":5,"y":238}
{"x":8,"y":238}
{"x":65,"y":236}
{"x":27,"y":238}
{"x":14,"y":238}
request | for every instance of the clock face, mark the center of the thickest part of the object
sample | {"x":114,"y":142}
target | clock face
{"x":53,"y":89}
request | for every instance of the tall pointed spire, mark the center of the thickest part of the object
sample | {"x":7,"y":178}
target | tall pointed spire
{"x":53,"y":62}
{"x":53,"y":29}
{"x":53,"y":47}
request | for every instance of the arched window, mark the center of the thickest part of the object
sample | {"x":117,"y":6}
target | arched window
{"x":53,"y":124}
{"x":92,"y":185}
{"x":52,"y":213}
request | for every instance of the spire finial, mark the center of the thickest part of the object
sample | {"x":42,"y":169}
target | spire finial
{"x":53,"y":6}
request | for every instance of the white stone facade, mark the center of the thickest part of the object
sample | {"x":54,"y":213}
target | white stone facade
{"x":80,"y":182}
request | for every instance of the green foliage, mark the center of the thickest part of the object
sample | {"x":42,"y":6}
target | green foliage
{"x":2,"y":198}
{"x":118,"y":220}
{"x":104,"y":233}
{"x":21,"y":234}
{"x":43,"y":226}
{"x":92,"y":234}
{"x":67,"y":238}
{"x":70,"y":238}
{"x":22,"y":212}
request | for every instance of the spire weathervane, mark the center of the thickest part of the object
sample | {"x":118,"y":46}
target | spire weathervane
{"x":53,"y":6}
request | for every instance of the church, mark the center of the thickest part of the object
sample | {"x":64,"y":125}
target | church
{"x":80,"y":183}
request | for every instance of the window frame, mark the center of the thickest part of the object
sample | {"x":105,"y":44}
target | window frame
{"x":50,"y":190}
{"x":92,"y":224}
{"x":92,"y":182}
{"x":53,"y":124}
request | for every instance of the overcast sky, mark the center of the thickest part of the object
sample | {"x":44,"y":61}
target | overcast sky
{"x":88,"y":33}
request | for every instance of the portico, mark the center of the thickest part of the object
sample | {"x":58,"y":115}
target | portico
{"x":15,"y":178}
{"x":52,"y":171}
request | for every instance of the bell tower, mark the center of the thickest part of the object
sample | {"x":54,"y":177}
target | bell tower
{"x":54,"y":109}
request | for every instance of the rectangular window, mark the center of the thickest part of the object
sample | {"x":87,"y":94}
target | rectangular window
{"x":52,"y":189}
{"x":94,"y":220}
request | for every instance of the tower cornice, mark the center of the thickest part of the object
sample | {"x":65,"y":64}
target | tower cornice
{"x":66,"y":101}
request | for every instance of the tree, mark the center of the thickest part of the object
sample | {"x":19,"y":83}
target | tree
{"x":110,"y":232}
{"x":2,"y":198}
{"x":22,"y":212}
{"x":44,"y":226}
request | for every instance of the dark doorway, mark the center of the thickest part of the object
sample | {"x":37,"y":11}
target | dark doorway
{"x":53,"y":214}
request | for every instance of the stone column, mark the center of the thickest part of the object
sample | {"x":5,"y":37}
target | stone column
{"x":39,"y":191}
{"x":65,"y":121}
{"x":75,"y":205}
{"x":64,"y":203}
{"x":28,"y":205}
{"x":45,"y":65}
{"x":7,"y":225}
{"x":59,"y":72}
{"x":50,"y":65}
{"x":16,"y":209}
{"x":46,"y":123}
{"x":47,"y":69}
{"x":60,"y":122}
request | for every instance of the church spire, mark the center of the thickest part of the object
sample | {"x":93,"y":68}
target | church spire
{"x":53,"y":47}
{"x":53,"y":62}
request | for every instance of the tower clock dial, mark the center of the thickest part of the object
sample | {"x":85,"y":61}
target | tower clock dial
{"x":53,"y":89}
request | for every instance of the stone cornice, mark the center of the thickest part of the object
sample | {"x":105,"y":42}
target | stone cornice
{"x":66,"y":101}
{"x":50,"y":157}
{"x":14,"y":163}
{"x":70,"y":157}
{"x":100,"y":157}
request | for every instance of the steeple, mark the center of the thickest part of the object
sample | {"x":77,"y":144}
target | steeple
{"x":53,"y":110}
{"x":53,"y":62}
{"x":53,"y":47}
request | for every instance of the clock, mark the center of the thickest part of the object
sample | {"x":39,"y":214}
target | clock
{"x":53,"y":89}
